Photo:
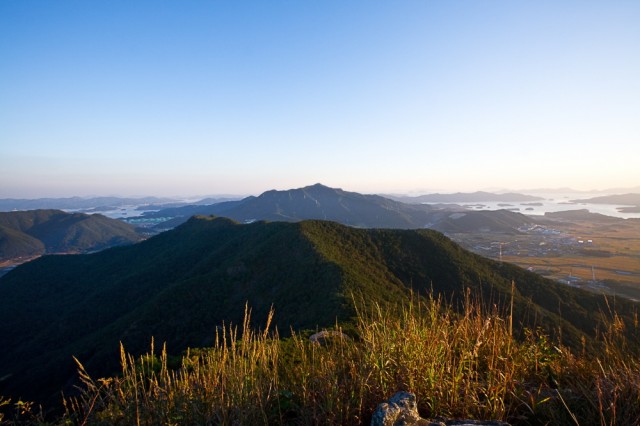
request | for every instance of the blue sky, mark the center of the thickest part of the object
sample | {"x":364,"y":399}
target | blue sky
{"x":208,"y":97}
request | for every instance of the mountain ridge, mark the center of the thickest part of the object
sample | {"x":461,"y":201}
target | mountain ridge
{"x":179,"y":285}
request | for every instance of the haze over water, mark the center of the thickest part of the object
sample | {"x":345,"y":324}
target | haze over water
{"x":554,"y":203}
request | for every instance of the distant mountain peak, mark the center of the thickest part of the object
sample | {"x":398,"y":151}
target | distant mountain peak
{"x":318,"y":186}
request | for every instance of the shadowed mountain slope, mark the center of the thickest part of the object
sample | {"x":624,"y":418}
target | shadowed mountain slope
{"x":35,"y":232}
{"x":16,"y":244}
{"x":180,"y":285}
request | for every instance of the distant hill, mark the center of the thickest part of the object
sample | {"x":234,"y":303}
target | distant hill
{"x":466,"y":197}
{"x":582,"y":214}
{"x":498,"y":221}
{"x":181,"y":214}
{"x":179,"y":285}
{"x":35,"y":232}
{"x":313,"y":202}
{"x":168,"y":206}
{"x":565,"y":190}
{"x":76,"y":203}
{"x":628,"y":199}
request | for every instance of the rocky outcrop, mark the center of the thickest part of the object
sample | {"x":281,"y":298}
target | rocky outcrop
{"x":469,"y":423}
{"x":402,"y":410}
{"x":326,"y":336}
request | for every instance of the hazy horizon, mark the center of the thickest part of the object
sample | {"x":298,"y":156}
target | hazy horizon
{"x":417,"y":192}
{"x":180,"y":99}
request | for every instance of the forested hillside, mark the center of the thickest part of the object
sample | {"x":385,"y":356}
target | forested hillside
{"x":180,"y":285}
{"x":35,"y":232}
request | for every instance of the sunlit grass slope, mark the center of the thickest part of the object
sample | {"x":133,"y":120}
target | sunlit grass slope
{"x":459,"y":364}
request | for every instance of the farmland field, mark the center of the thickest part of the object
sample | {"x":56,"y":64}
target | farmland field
{"x":599,"y":255}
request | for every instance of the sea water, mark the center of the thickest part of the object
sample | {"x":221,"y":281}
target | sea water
{"x":552,"y":203}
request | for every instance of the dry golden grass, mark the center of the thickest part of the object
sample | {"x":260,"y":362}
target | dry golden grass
{"x":459,"y":365}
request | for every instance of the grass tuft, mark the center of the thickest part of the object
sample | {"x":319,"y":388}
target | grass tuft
{"x":461,"y":365}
